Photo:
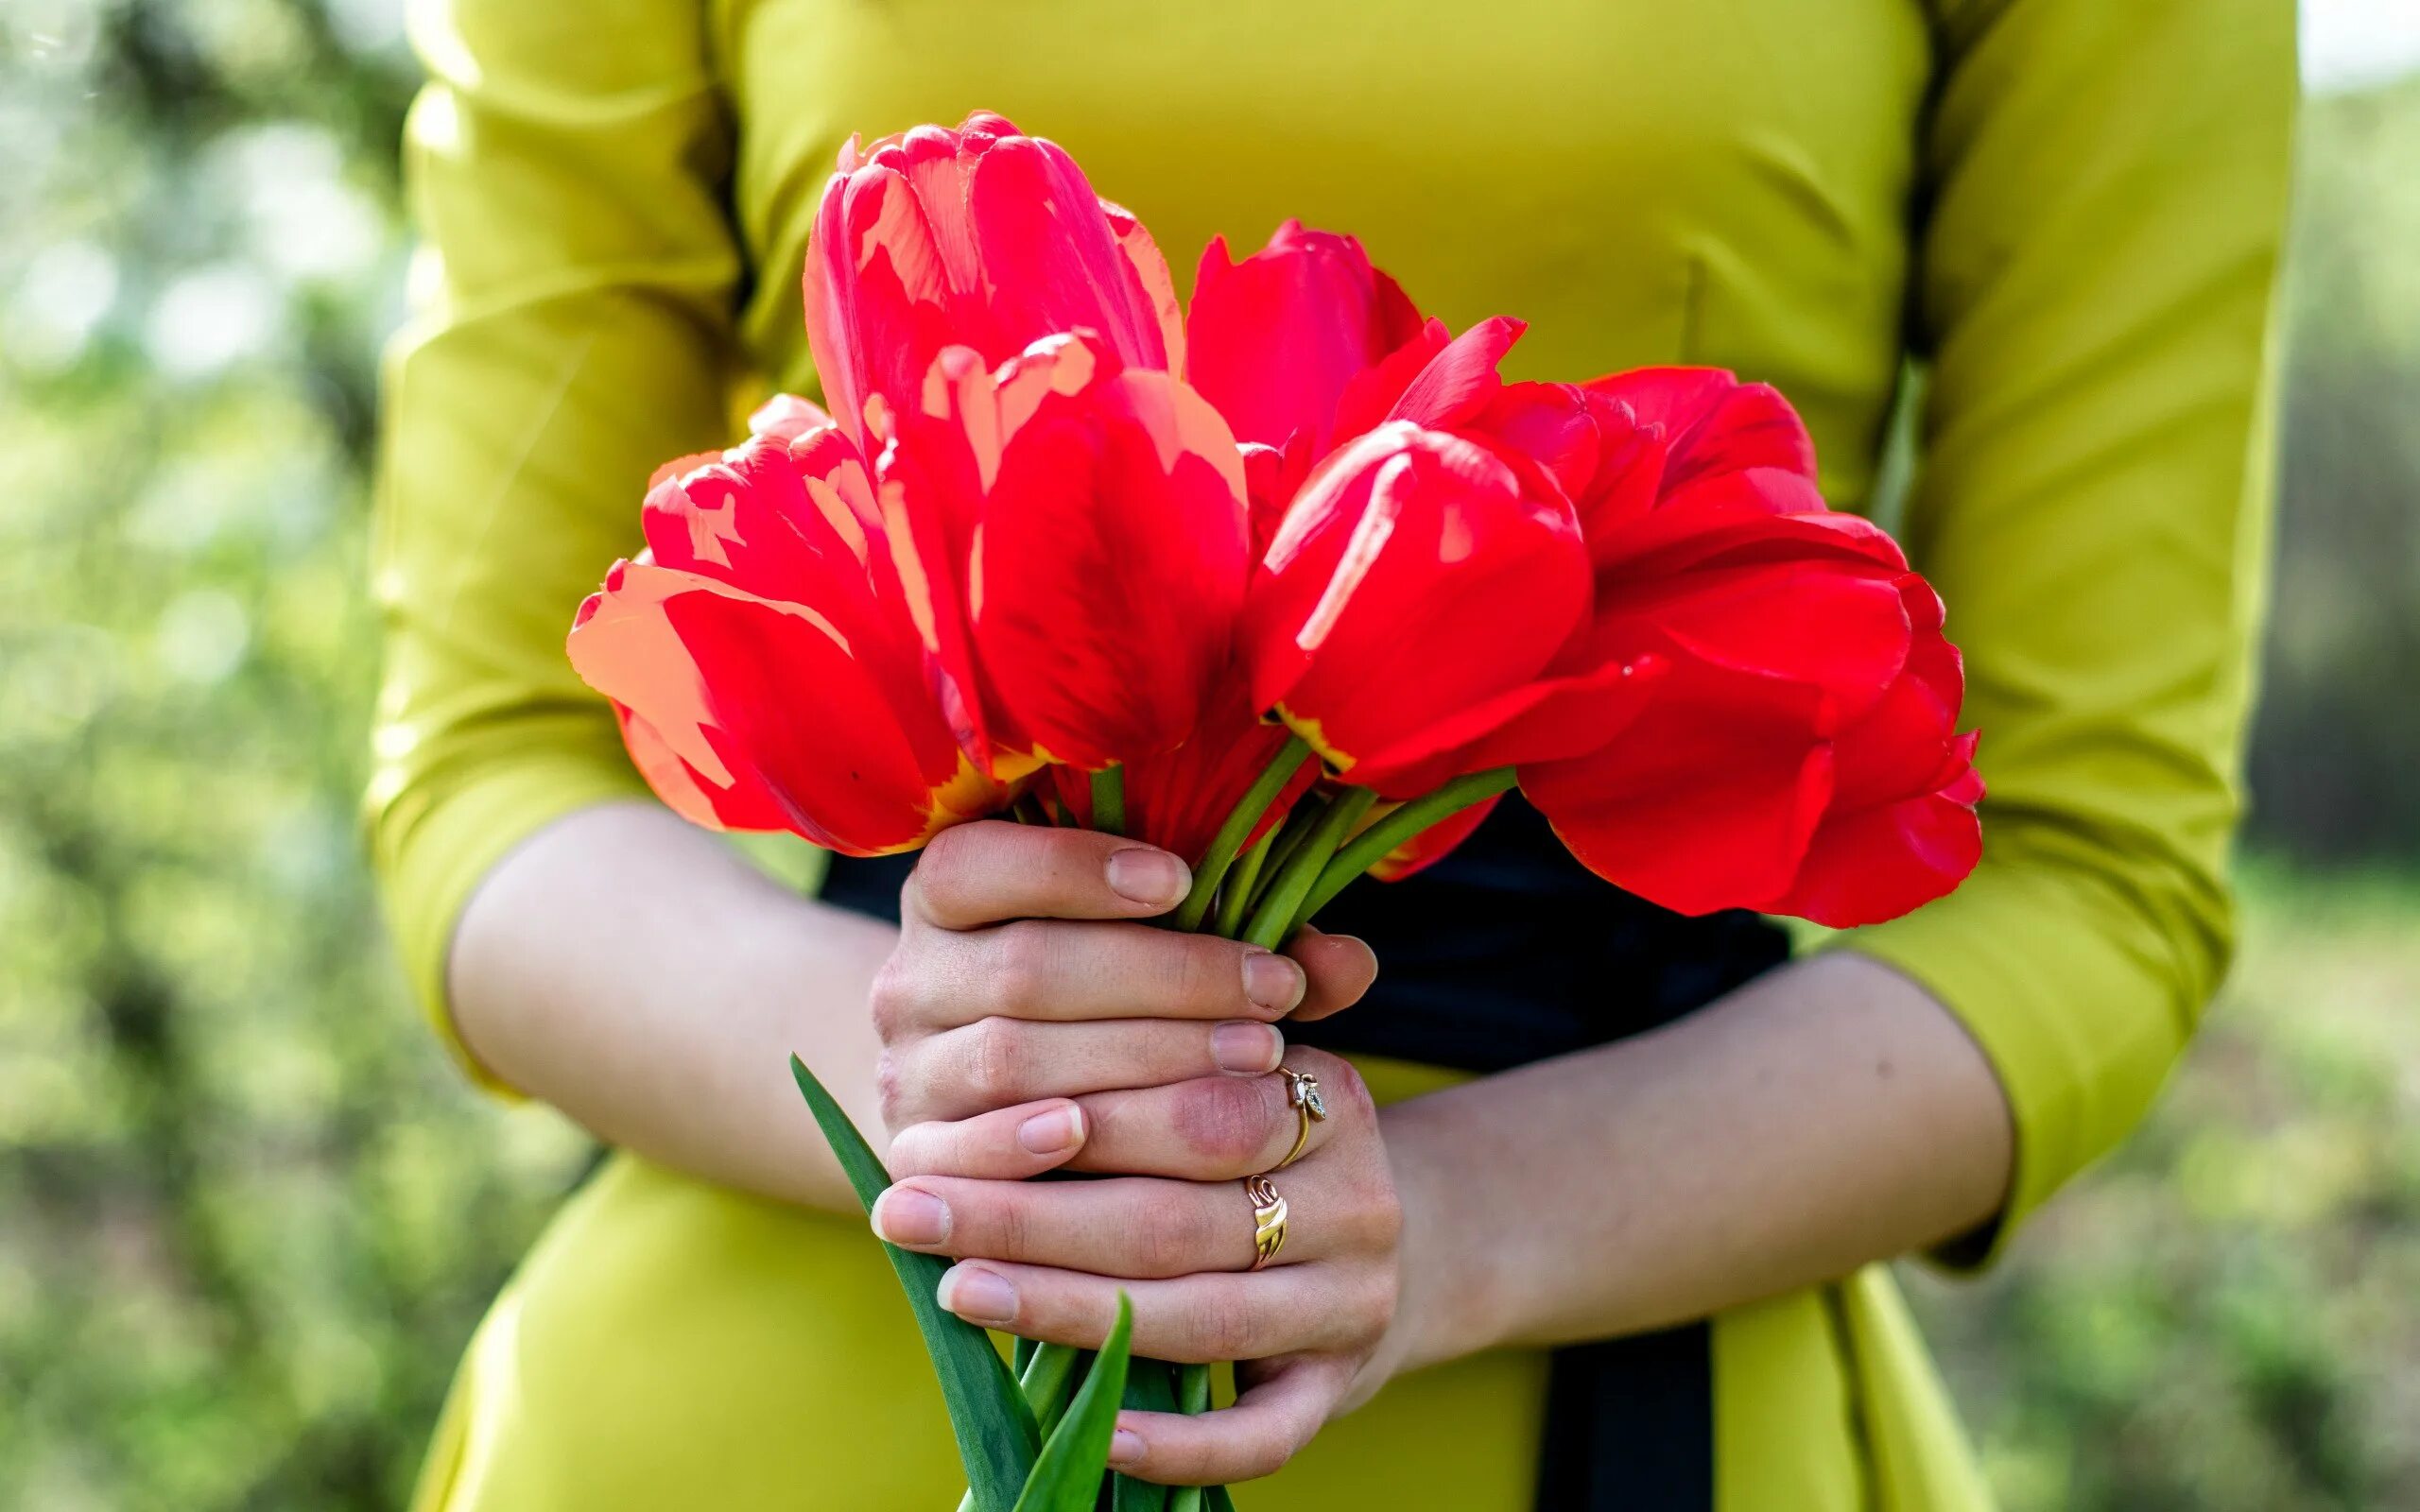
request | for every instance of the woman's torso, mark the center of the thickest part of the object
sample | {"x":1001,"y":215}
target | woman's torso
{"x":1723,"y":183}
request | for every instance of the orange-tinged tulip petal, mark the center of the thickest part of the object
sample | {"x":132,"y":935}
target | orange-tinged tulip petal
{"x":712,"y":677}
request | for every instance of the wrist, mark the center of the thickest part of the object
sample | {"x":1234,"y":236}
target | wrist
{"x":1453,"y":1294}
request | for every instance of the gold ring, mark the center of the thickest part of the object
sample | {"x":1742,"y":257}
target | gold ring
{"x":1303,"y":1095}
{"x":1267,"y":1220}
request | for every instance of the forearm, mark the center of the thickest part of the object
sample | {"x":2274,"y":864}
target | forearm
{"x":1830,"y":1114}
{"x":636,"y":973}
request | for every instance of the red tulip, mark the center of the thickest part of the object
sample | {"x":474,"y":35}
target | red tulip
{"x":1804,"y":686}
{"x":766,"y":664}
{"x":1090,"y":520}
{"x":1413,"y":580}
{"x":979,"y":238}
{"x":1275,"y":340}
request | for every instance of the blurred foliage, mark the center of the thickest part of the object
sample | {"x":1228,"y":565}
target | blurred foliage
{"x":247,"y":1216}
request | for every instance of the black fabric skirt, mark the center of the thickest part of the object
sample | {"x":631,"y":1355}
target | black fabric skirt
{"x":1509,"y":952}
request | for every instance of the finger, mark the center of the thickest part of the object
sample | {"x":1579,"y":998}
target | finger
{"x":1211,"y":1129}
{"x":1269,"y":1424}
{"x":1061,"y":971}
{"x":1189,"y":1319}
{"x":1006,"y":1144}
{"x":1338,"y":969}
{"x":981,"y":873}
{"x":1139,"y":1227}
{"x":1000,"y":1062}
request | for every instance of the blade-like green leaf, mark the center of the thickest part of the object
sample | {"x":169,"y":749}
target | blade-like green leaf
{"x":997,"y":1437}
{"x":1067,"y":1477}
{"x":1218,"y":1500}
{"x":1050,"y":1379}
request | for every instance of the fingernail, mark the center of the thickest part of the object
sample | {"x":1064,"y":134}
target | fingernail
{"x":979,"y":1295}
{"x":1125,"y":1447}
{"x":1272,"y":981}
{"x":1243,"y":1045}
{"x":1149,"y":876}
{"x":1049,"y":1133}
{"x":905,"y":1215}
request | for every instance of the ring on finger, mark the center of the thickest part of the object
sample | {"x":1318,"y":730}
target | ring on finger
{"x":1303,"y":1095}
{"x":1267,"y":1220}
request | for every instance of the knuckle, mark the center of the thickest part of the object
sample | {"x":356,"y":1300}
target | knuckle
{"x":1225,"y":1121}
{"x":997,"y":1054}
{"x":892,"y":998}
{"x":1020,"y":965}
{"x":890,"y":1084}
{"x":1343,"y":1087}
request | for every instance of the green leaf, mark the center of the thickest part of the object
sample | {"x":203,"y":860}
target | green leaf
{"x":997,"y":1437}
{"x":1050,"y":1379}
{"x":1218,"y":1500}
{"x":1067,"y":1477}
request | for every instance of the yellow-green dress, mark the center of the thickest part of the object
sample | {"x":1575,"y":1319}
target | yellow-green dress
{"x":2064,"y":212}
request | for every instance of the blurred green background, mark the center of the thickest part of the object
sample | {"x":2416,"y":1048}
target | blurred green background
{"x":247,"y":1216}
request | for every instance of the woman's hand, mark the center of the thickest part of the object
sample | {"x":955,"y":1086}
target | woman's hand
{"x":1048,"y":1260}
{"x":1029,"y":1021}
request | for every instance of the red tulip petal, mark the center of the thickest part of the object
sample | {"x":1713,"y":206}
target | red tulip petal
{"x":1549,"y":719}
{"x":687,"y":791}
{"x":765,"y":700}
{"x":1109,"y":563}
{"x":1707,"y":800}
{"x":978,"y":237}
{"x":1876,"y":864}
{"x":1374,"y":392}
{"x":1151,"y":276}
{"x":1843,"y":631}
{"x":1712,"y":422}
{"x":1275,"y":340}
{"x":1460,"y":383}
{"x":1052,"y":260}
{"x":1412,"y":580}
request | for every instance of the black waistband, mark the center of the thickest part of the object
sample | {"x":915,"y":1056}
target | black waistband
{"x":1506,"y":953}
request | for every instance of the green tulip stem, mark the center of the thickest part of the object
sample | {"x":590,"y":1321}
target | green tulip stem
{"x":1273,"y":921}
{"x":1235,"y":896}
{"x":1109,"y":800}
{"x":1232,"y":833}
{"x":1193,"y":1397}
{"x":1379,"y":840}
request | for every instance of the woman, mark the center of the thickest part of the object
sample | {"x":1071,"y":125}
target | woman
{"x":1613,"y":1238}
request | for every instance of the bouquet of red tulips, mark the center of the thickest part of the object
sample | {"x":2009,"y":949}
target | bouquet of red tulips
{"x":1290,"y":583}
